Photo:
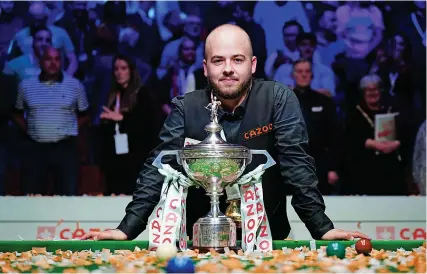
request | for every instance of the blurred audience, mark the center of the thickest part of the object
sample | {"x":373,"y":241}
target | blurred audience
{"x":323,"y":78}
{"x":130,"y":110}
{"x":23,"y":40}
{"x":10,"y":24}
{"x":321,"y":49}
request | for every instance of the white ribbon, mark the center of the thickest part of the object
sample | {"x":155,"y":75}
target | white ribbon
{"x":168,"y":217}
{"x":255,"y":226}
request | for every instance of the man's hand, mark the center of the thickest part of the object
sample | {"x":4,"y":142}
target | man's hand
{"x":339,"y":234}
{"x":387,"y":146}
{"x":109,"y":234}
{"x":111,"y":115}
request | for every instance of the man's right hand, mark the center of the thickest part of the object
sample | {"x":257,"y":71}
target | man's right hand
{"x":109,"y":234}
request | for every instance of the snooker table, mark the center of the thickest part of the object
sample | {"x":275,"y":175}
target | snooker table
{"x":288,"y":256}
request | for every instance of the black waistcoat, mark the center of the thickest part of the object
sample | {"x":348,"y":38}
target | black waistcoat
{"x":256,"y":132}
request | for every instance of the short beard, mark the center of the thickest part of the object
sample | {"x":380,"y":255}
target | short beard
{"x":241,"y":89}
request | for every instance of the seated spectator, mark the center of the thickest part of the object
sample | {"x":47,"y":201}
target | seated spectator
{"x":328,"y":44}
{"x":23,"y":40}
{"x":130,"y":110}
{"x":323,"y":78}
{"x":324,"y":131}
{"x":82,"y":30}
{"x":288,"y":53}
{"x":10,"y":24}
{"x":272,"y":15}
{"x":192,"y":30}
{"x":419,"y":160}
{"x":372,"y":167}
{"x":182,"y":76}
{"x":361,"y":25}
{"x":28,"y":65}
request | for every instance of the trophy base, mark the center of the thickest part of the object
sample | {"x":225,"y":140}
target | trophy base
{"x":220,"y":250}
{"x":216,"y":233}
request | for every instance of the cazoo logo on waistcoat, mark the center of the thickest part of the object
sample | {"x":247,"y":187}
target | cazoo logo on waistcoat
{"x":257,"y":131}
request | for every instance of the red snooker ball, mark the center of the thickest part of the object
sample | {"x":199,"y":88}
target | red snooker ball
{"x":363,"y":246}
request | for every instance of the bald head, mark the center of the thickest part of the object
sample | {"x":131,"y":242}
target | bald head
{"x":38,"y":9}
{"x":226,"y":35}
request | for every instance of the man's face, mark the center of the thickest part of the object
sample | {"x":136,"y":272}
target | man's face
{"x":193,"y":26}
{"x":302,"y":74}
{"x":6,"y":6}
{"x":290,"y":37}
{"x":328,"y":21}
{"x":306,"y":49}
{"x":42,"y":39}
{"x":188,"y":52}
{"x":51,"y":62}
{"x":229,"y":65}
{"x":398,"y":47}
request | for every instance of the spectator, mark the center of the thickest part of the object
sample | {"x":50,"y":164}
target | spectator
{"x":51,"y":101}
{"x":372,"y":167}
{"x":28,"y":65}
{"x":146,"y":28}
{"x":130,"y":110}
{"x":271,"y":15}
{"x":82,"y":30}
{"x":414,"y":26}
{"x":396,"y":71}
{"x":324,"y":131}
{"x":419,"y":160}
{"x":192,"y":30}
{"x":323,"y":78}
{"x":286,"y":54}
{"x":23,"y":40}
{"x":10,"y":24}
{"x":182,"y":77}
{"x":361,"y":25}
{"x":328,"y":44}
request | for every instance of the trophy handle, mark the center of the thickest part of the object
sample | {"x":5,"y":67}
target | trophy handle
{"x":158,"y":161}
{"x":270,"y":161}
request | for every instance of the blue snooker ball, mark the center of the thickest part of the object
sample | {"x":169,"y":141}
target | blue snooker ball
{"x":180,"y":265}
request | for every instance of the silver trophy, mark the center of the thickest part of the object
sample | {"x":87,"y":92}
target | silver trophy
{"x":214,"y":164}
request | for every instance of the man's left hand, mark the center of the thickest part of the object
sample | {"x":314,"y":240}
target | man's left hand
{"x":339,"y":234}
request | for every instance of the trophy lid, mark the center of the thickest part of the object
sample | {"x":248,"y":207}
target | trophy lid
{"x":214,"y":145}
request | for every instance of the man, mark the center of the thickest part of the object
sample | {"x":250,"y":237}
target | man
{"x":51,"y":101}
{"x":181,"y":78}
{"x":23,"y":40}
{"x":228,"y":66}
{"x":192,"y":30}
{"x":27,"y":66}
{"x":322,"y":126}
{"x":323,"y":77}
